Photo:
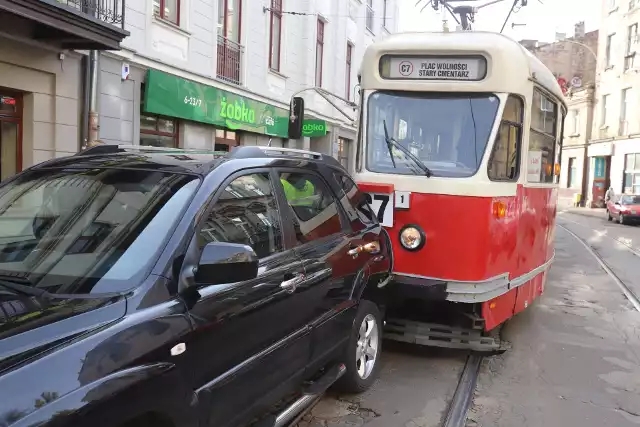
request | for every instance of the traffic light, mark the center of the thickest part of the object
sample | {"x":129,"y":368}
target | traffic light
{"x":296,"y":117}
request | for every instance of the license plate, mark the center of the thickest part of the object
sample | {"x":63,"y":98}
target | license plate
{"x":382,"y":206}
{"x":634,"y":212}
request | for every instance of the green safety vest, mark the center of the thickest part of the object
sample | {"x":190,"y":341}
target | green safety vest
{"x":296,"y":196}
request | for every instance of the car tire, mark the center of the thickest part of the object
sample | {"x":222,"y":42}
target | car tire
{"x":366,"y":338}
{"x":609,"y":217}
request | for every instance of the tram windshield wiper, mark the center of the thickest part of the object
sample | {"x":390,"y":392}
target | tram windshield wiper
{"x":393,"y":143}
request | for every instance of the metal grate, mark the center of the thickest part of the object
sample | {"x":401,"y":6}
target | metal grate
{"x":109,"y":11}
{"x":230,"y":57}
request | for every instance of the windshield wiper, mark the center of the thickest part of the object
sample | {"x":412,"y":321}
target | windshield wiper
{"x":15,"y":286}
{"x":392,"y":142}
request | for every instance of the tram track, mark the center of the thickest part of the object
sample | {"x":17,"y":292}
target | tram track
{"x":631,"y":248}
{"x":626,"y":290}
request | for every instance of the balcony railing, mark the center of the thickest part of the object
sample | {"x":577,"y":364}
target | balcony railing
{"x":369,"y":18}
{"x":109,"y":11}
{"x":230,"y":58}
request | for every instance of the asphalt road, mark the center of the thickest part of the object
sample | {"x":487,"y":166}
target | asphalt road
{"x":575,"y":358}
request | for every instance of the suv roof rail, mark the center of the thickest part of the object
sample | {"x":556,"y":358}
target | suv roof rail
{"x":119,"y":148}
{"x":262,"y":151}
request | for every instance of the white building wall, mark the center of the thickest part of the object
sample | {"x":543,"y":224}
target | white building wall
{"x":190,"y":51}
{"x":612,"y":79}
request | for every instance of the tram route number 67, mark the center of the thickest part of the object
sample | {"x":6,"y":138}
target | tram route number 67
{"x":382,"y":206}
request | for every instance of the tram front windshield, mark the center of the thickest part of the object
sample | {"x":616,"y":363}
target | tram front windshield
{"x":447,"y":132}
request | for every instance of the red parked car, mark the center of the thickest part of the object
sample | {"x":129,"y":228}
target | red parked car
{"x":625,"y":210}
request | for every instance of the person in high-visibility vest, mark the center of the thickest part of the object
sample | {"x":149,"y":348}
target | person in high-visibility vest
{"x":299,"y":192}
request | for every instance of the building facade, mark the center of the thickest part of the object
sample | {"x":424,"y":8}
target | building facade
{"x":614,"y":149}
{"x":213,"y":74}
{"x":42,"y":101}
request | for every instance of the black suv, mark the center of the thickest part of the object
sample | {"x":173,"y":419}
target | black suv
{"x":160,"y":287}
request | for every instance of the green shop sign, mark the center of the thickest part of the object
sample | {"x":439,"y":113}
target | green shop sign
{"x":314,"y":128}
{"x":173,"y":96}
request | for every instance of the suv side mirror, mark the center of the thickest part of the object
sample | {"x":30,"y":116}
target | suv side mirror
{"x":223,"y":262}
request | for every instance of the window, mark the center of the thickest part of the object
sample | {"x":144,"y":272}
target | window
{"x":169,"y":10}
{"x":348,"y":71}
{"x":575,"y":122}
{"x":275,"y":34}
{"x":447,"y":132}
{"x":229,"y":13}
{"x":158,"y":131}
{"x":607,"y":52}
{"x":631,"y":184}
{"x":355,"y":203}
{"x":95,"y":229}
{"x":384,"y":13}
{"x":624,"y":108}
{"x":630,"y":51}
{"x":343,"y":152}
{"x":226,"y":140}
{"x":315,"y":212}
{"x":369,"y":15}
{"x":603,"y":110}
{"x":319,"y":52}
{"x":505,"y":157}
{"x":572,"y":178}
{"x":542,"y":141}
{"x":246,"y":212}
{"x":612,"y":4}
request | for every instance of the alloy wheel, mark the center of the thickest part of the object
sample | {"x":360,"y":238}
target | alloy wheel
{"x":367,"y":346}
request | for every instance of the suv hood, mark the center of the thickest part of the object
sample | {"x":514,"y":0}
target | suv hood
{"x":29,"y":326}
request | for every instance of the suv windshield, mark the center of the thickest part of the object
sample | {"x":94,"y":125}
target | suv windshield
{"x":79,"y":231}
{"x":448,"y":133}
{"x":630,"y":200}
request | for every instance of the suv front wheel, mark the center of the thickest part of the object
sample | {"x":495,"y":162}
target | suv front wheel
{"x":363,"y":352}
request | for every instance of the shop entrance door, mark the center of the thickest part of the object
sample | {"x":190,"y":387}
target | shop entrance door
{"x":10,"y":133}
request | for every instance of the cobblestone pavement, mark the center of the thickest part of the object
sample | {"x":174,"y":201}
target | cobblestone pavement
{"x":414,"y":389}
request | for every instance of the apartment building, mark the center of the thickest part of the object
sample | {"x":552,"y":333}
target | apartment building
{"x":42,"y":74}
{"x":614,"y":149}
{"x":218,"y":73}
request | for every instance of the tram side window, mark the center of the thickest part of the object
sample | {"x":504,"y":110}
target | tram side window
{"x":505,"y":156}
{"x":542,"y":139}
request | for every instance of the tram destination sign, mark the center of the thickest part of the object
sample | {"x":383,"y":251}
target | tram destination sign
{"x":471,"y":68}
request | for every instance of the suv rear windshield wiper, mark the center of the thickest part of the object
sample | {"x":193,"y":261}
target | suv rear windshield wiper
{"x":390,"y":141}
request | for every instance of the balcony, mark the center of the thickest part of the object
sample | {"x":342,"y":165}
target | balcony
{"x":65,"y":24}
{"x":230,"y":59}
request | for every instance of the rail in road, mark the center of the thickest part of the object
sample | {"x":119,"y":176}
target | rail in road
{"x":628,"y":292}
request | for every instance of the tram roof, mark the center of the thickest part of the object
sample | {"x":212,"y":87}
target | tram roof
{"x":499,"y":49}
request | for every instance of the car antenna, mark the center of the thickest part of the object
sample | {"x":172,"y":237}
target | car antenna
{"x":269,"y":144}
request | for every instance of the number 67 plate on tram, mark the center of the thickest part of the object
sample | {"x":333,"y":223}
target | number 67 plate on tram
{"x":382,"y":206}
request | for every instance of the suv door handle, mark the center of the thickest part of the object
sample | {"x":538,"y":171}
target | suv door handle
{"x":371,"y":247}
{"x":292,"y":284}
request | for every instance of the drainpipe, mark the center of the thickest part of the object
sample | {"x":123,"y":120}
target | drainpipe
{"x":94,"y":64}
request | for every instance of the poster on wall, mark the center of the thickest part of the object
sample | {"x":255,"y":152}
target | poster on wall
{"x":534,"y":166}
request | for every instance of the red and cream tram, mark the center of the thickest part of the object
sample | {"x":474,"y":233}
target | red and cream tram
{"x":459,"y":151}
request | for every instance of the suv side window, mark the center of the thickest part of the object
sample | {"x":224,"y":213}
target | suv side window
{"x":355,"y":203}
{"x":314,"y":209}
{"x":246,"y":213}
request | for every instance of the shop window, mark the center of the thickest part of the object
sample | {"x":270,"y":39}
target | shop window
{"x":275,"y":34}
{"x":226,"y":140}
{"x":571,"y":179}
{"x":168,"y":10}
{"x":631,"y":184}
{"x":542,"y":139}
{"x":504,"y":163}
{"x":158,"y":131}
{"x":343,"y":152}
{"x":246,"y":213}
{"x":315,"y":212}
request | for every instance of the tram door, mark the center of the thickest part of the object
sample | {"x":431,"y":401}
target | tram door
{"x":10,"y":122}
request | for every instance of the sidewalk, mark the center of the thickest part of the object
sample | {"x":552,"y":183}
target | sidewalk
{"x":575,"y":357}
{"x":593,"y":212}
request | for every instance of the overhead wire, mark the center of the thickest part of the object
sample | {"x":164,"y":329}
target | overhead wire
{"x":290,"y":12}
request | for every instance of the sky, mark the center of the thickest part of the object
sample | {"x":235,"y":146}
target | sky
{"x":543,"y":18}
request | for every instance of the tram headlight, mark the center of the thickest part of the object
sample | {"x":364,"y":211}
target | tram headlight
{"x":412,"y":238}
